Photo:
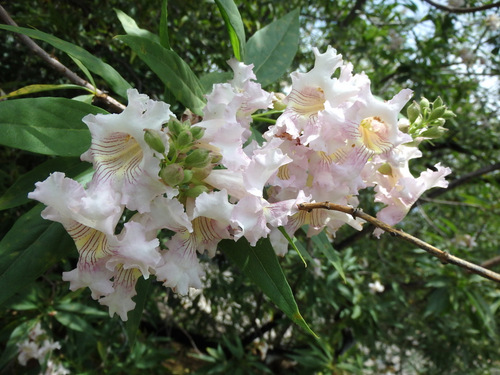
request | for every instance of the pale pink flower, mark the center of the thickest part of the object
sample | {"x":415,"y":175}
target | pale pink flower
{"x":120,"y":154}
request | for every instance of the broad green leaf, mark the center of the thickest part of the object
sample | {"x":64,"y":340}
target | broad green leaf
{"x":74,"y":322}
{"x":131,"y":28}
{"x":261,"y":265}
{"x":134,"y":316}
{"x":164,"y":38}
{"x":94,"y":64}
{"x":50,"y":126}
{"x":272,"y":48}
{"x":17,"y":194}
{"x":26,"y":90}
{"x":171,"y":69}
{"x":437,"y":302}
{"x":30,"y":248}
{"x":323,"y":244}
{"x":234,"y":25}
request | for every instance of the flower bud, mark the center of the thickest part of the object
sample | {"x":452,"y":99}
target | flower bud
{"x":424,"y":103}
{"x":278,"y":101}
{"x":184,"y":139}
{"x":199,"y":158}
{"x":201,"y":173}
{"x":413,"y":112}
{"x":154,"y":140}
{"x":437,"y":103}
{"x":197,"y":190}
{"x":175,"y":127}
{"x":172,"y":174}
{"x":188,"y":175}
{"x":197,"y":132}
{"x":437,"y":112}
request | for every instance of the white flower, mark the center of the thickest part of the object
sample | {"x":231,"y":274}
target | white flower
{"x":376,"y":287}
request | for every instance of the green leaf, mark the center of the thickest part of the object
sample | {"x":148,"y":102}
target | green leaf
{"x":134,"y":317}
{"x":323,"y":244}
{"x":171,"y":69}
{"x":234,"y":25}
{"x":17,"y":194}
{"x":40,"y":88}
{"x":74,"y":322}
{"x":437,"y":302}
{"x":261,"y":265}
{"x":210,"y":79}
{"x":30,"y":248}
{"x":164,"y":38}
{"x":50,"y":126}
{"x":94,"y":64}
{"x":272,"y":48}
{"x":131,"y":28}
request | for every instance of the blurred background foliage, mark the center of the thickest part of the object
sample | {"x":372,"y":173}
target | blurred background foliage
{"x":429,"y":318}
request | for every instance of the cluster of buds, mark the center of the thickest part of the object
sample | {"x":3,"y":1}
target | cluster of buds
{"x":202,"y":182}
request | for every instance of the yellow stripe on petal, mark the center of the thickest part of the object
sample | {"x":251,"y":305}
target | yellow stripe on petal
{"x":92,"y":245}
{"x":118,"y":157}
{"x":307,"y":102}
{"x":374,"y":133}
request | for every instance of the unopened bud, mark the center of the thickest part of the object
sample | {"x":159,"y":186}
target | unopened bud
{"x":184,"y":139}
{"x":437,"y":112}
{"x":188,"y":175}
{"x":438,"y":102}
{"x":197,"y":190}
{"x":172,"y":174}
{"x":154,"y":140}
{"x":413,"y":112}
{"x":175,"y":127}
{"x":197,"y":132}
{"x":424,"y":103}
{"x":201,"y":173}
{"x":279,"y":101}
{"x":199,"y":158}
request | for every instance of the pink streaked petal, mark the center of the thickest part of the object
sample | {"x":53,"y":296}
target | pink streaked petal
{"x":228,"y":180}
{"x":135,"y":251}
{"x":169,"y":214}
{"x":214,"y":205}
{"x":98,"y":280}
{"x":120,"y":300}
{"x":249,"y":215}
{"x":181,"y":269}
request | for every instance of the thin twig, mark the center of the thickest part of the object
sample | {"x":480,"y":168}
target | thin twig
{"x":111,"y":103}
{"x":443,"y":256}
{"x":462,"y":10}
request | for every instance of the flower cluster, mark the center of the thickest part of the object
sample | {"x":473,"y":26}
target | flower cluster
{"x":208,"y":180}
{"x":40,"y":347}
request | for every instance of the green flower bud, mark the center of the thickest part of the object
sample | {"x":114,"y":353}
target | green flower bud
{"x":434,"y":132}
{"x":199,"y":158}
{"x":448,"y":114}
{"x":437,"y":103}
{"x":437,"y":112}
{"x":172,"y":174}
{"x":413,"y":112}
{"x":175,"y":127}
{"x":424,"y":103}
{"x":278,"y":101}
{"x":154,"y":140}
{"x":197,"y":132}
{"x":197,"y":190}
{"x":184,"y":139}
{"x":216,"y":158}
{"x":201,"y":173}
{"x":188,"y":175}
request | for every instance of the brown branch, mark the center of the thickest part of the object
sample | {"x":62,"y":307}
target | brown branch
{"x":111,"y":103}
{"x":358,"y":6}
{"x":443,"y":256}
{"x":491,"y":262}
{"x":462,"y":10}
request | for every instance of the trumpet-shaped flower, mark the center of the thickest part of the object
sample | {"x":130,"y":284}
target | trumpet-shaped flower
{"x":120,"y":154}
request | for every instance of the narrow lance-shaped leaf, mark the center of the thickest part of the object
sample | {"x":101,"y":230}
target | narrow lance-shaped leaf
{"x":94,"y":64}
{"x":131,"y":28}
{"x":31,"y":89}
{"x":171,"y":69}
{"x":261,"y":265}
{"x":50,"y":126}
{"x":323,"y":244}
{"x":134,"y":317}
{"x":234,"y":25}
{"x":164,"y":38}
{"x":272,"y":48}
